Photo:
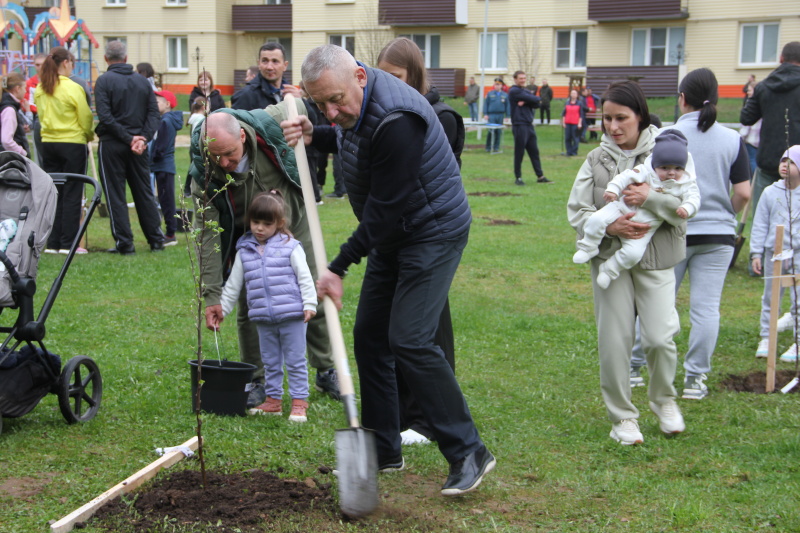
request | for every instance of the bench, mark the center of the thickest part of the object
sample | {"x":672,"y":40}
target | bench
{"x":598,"y":117}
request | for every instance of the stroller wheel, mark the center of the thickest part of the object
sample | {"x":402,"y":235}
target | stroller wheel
{"x":80,"y":389}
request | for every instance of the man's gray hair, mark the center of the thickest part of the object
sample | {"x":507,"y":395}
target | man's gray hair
{"x":326,"y":57}
{"x":116,"y":51}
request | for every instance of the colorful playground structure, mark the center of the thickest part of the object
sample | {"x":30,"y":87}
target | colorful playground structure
{"x":22,"y":38}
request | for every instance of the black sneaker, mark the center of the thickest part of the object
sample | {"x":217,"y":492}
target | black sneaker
{"x":157,"y":247}
{"x":467,"y":473}
{"x":328,"y":382}
{"x":395,"y":465}
{"x":257,"y":395}
{"x":170,"y":240}
{"x":334,"y":195}
{"x":542,"y":179}
{"x":519,"y":181}
{"x":124,"y":251}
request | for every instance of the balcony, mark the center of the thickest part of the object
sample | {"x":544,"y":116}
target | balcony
{"x":654,"y":81}
{"x":634,"y":10}
{"x":423,"y":12}
{"x":262,"y":18}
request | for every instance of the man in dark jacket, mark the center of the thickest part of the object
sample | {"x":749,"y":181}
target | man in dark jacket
{"x":128,"y":118}
{"x":776,"y":100}
{"x":546,"y":96}
{"x":268,"y":87}
{"x":523,"y":102}
{"x":405,"y":188}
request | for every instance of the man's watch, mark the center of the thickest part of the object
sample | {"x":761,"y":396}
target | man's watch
{"x":341,"y":272}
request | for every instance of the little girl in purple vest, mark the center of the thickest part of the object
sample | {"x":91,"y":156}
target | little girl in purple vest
{"x":281,"y":298}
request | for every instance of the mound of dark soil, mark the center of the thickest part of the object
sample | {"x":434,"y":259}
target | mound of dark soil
{"x":244,"y":501}
{"x":757,"y":382}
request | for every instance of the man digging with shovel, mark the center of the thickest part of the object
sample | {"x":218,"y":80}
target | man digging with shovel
{"x":405,"y":189}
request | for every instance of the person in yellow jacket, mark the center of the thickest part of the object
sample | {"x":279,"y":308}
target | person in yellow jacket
{"x":67,"y":122}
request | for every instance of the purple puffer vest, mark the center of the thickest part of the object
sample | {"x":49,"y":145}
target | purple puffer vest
{"x":273,"y":292}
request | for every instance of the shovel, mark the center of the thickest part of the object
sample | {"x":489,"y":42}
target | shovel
{"x":740,"y":238}
{"x":356,"y":458}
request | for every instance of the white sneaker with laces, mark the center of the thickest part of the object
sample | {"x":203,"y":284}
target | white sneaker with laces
{"x":410,"y":436}
{"x":790,"y":355}
{"x":785,"y":323}
{"x":626,"y":432}
{"x":694,"y":387}
{"x":670,"y":419}
{"x":763,"y":348}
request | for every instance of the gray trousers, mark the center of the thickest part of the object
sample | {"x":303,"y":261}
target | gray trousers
{"x":651,"y":294}
{"x":707,"y":266}
{"x":284,"y":344}
{"x":766,"y":299}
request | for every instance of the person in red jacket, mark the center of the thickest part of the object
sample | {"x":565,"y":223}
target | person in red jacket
{"x":572,"y":119}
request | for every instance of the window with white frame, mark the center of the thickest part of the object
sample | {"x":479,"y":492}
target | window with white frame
{"x":494,"y":52}
{"x":115,"y":2}
{"x":277,"y":2}
{"x":348,"y":42}
{"x":123,"y":40}
{"x":759,"y":44}
{"x":571,"y":49}
{"x":177,"y":53}
{"x":429,"y":44}
{"x":652,"y":47}
{"x":176,"y":2}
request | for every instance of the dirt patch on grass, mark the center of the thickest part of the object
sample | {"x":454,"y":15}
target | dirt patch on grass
{"x":757,"y":382}
{"x":25,"y":487}
{"x":244,"y":501}
{"x":500,"y":222}
{"x":492,"y":193}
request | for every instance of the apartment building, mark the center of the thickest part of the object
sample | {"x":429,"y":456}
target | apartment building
{"x":566,"y":41}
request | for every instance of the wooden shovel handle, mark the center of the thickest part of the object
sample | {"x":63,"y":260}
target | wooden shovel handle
{"x":331,"y":313}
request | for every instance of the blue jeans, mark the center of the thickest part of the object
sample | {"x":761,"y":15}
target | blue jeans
{"x":751,"y":154}
{"x":402,"y":297}
{"x":571,"y":138}
{"x":494,"y":136}
{"x":473,"y":111}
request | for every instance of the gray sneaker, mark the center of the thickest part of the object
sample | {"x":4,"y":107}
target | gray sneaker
{"x":257,"y":395}
{"x":328,"y":382}
{"x":694,"y":387}
{"x":636,"y":377}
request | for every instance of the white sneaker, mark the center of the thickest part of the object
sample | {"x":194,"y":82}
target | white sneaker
{"x":626,"y":432}
{"x":670,"y":419}
{"x":636,"y":378}
{"x":410,"y":436}
{"x":785,"y":323}
{"x":582,"y":256}
{"x":763,"y":348}
{"x":790,"y":355}
{"x":603,"y":280}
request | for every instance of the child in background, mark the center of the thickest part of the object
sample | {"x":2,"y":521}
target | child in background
{"x":664,"y":170}
{"x":779,"y":204}
{"x":162,"y":161}
{"x":12,"y":131}
{"x":281,"y":299}
{"x":197,"y":116}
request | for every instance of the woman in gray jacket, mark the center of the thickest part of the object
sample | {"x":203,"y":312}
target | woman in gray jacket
{"x":646,"y":290}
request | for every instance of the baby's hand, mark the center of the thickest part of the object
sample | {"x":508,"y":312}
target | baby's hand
{"x":308,"y":315}
{"x":609,"y":196}
{"x":682,"y":212}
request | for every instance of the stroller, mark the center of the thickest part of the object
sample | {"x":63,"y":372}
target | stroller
{"x":28,"y":371}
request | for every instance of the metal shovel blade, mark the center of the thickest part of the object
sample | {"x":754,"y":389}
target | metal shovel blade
{"x":357,"y":463}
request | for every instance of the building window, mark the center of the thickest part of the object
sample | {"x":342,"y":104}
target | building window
{"x":348,"y":42}
{"x":429,"y":45}
{"x":177,"y":53}
{"x":658,"y":46}
{"x":123,"y":40}
{"x":759,"y":44}
{"x":571,"y":49}
{"x":277,"y":2}
{"x":115,"y":2}
{"x":494,"y":55}
{"x":176,"y":2}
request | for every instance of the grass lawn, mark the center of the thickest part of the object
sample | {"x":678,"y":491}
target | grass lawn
{"x":526,"y":360}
